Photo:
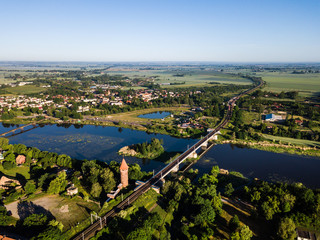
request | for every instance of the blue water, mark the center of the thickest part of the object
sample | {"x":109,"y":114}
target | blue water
{"x":103,"y":143}
{"x":155,"y":115}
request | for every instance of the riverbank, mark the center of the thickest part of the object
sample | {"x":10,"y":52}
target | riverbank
{"x":276,"y":147}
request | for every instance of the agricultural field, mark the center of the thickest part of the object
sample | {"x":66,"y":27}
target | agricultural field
{"x":27,"y":89}
{"x":306,"y":84}
{"x":191,"y":78}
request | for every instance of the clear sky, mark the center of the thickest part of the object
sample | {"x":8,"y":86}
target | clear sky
{"x":160,"y":30}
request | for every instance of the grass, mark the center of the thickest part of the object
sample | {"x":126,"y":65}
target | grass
{"x":191,"y":78}
{"x":133,"y":115}
{"x":260,"y":227}
{"x":294,"y":141}
{"x":69,"y":211}
{"x":27,"y":89}
{"x":147,"y":200}
{"x":23,"y":170}
{"x":250,"y":117}
{"x":306,"y":84}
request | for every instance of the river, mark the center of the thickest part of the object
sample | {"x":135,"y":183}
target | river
{"x":102,"y":143}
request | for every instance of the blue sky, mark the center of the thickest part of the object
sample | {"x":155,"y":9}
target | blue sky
{"x":219,"y":31}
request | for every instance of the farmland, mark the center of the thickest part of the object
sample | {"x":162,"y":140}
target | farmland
{"x":306,"y":84}
{"x":187,"y":78}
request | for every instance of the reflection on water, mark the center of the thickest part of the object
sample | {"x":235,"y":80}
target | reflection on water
{"x":103,"y":143}
{"x":96,"y":142}
{"x":261,"y":164}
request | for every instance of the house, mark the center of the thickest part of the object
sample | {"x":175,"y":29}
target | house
{"x":305,"y":235}
{"x":21,"y":159}
{"x":6,"y":183}
{"x":272,"y":117}
{"x":72,"y":190}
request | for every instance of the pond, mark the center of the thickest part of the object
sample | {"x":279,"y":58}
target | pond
{"x":155,"y":115}
{"x":102,"y":143}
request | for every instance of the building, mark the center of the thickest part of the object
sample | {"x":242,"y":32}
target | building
{"x":21,"y":159}
{"x":72,"y":190}
{"x":272,"y":117}
{"x":124,"y":173}
{"x":305,"y":235}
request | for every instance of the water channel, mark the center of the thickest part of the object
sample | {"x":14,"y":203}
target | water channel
{"x":97,"y":142}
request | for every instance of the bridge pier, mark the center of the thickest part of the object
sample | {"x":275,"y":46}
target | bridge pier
{"x":176,"y":168}
{"x":193,"y":155}
{"x":204,"y":145}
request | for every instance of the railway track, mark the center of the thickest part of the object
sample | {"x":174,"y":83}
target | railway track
{"x":99,"y":224}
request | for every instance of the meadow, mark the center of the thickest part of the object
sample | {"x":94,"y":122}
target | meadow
{"x":26,"y":89}
{"x":306,"y":84}
{"x":191,"y":78}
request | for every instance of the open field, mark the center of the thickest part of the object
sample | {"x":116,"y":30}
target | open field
{"x":22,"y":170}
{"x":65,"y":210}
{"x":27,"y":89}
{"x":133,"y":116}
{"x":306,"y":84}
{"x":294,"y":141}
{"x":191,"y":78}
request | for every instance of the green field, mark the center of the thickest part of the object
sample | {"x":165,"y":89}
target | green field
{"x":306,"y":84}
{"x":27,"y":89}
{"x":293,"y":141}
{"x":22,"y":170}
{"x":191,"y":78}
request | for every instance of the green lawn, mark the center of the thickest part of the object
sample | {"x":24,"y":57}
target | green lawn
{"x":293,"y":141}
{"x":23,"y":170}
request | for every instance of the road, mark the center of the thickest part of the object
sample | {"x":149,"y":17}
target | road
{"x":99,"y":224}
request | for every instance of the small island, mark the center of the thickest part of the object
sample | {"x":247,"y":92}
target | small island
{"x":144,"y":150}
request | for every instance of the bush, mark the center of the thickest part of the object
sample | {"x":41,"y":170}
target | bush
{"x":8,"y":165}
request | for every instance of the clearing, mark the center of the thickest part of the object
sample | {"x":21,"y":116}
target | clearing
{"x":65,"y":210}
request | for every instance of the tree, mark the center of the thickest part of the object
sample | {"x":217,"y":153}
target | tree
{"x":10,"y":158}
{"x":96,"y":190}
{"x":135,"y":172}
{"x":4,"y":218}
{"x":243,"y":233}
{"x":30,"y":187}
{"x":287,"y":229}
{"x":51,"y":233}
{"x":138,"y":233}
{"x":35,"y":220}
{"x":228,"y":190}
{"x":59,"y":184}
{"x":107,"y":179}
{"x":4,"y":142}
{"x":55,"y":223}
{"x":234,"y":223}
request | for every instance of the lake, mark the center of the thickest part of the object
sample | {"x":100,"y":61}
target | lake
{"x":155,"y":115}
{"x":102,"y":143}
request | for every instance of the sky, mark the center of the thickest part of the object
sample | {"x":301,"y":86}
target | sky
{"x":160,"y":30}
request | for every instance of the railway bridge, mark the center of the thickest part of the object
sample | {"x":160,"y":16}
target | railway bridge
{"x":172,"y":166}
